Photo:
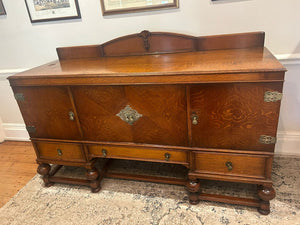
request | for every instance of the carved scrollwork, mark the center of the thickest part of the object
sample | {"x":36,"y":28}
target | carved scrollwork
{"x":145,"y":35}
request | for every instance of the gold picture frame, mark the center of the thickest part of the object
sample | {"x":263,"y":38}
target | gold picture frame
{"x":110,"y":7}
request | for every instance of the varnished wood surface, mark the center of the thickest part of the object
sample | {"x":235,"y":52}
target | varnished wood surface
{"x":221,"y":79}
{"x":242,"y":165}
{"x":207,"y":62}
{"x":47,"y":109}
{"x":17,"y":167}
{"x":163,"y":119}
{"x":233,"y":116}
{"x":69,"y":152}
{"x":143,"y":154}
{"x":146,"y":42}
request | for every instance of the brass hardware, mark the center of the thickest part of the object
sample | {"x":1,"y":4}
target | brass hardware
{"x":229,"y":165}
{"x":194,"y":119}
{"x":272,"y":96}
{"x":20,"y":97}
{"x":167,"y":156}
{"x":104,"y":152}
{"x":31,"y":129}
{"x":71,"y":115}
{"x":129,"y":115}
{"x":264,"y":139}
{"x":59,"y":152}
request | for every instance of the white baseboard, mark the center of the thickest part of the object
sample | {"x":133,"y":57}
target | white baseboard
{"x":288,"y":143}
{"x":15,"y":132}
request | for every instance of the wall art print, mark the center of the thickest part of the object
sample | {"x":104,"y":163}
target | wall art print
{"x":48,"y":10}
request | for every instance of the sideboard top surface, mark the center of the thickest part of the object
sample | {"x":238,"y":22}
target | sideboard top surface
{"x":160,"y":58}
{"x":206,"y":62}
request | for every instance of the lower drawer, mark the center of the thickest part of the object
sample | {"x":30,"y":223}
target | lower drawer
{"x":60,"y":151}
{"x":255,"y":166}
{"x":136,"y":153}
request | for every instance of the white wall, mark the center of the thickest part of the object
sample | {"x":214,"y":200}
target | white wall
{"x":25,"y":45}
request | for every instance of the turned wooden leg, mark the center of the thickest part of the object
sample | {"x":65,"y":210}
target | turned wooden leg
{"x":44,"y":169}
{"x":193,"y":186}
{"x":92,"y":175}
{"x":265,"y":193}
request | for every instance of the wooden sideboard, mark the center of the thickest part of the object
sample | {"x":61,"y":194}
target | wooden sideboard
{"x":209,"y":103}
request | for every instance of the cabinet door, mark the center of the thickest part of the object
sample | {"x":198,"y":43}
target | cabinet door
{"x":162,"y":110}
{"x":233,"y":116}
{"x":46,"y":111}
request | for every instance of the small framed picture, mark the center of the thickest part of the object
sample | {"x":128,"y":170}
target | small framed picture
{"x":126,"y":6}
{"x":48,"y":10}
{"x":2,"y":9}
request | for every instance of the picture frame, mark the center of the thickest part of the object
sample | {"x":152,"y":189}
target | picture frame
{"x":110,"y":7}
{"x":49,"y":10}
{"x":2,"y":9}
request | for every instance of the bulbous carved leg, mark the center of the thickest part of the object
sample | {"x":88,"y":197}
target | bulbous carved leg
{"x":92,"y":175}
{"x":265,"y":193}
{"x":193,"y":186}
{"x":44,"y":169}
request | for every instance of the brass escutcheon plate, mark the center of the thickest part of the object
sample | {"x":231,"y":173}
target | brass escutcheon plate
{"x":129,"y":115}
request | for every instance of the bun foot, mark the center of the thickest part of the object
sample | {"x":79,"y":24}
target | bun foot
{"x":96,"y":190}
{"x":265,"y":193}
{"x":263,"y":212}
{"x":44,"y":170}
{"x":193,"y":186}
{"x":49,"y":184}
{"x":193,"y":198}
{"x":93,"y":175}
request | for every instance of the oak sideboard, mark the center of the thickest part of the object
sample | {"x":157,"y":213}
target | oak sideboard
{"x":208,"y":103}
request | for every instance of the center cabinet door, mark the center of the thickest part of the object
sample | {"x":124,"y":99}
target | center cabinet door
{"x":152,"y":114}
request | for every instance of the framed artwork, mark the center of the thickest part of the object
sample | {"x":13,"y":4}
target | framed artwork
{"x":48,"y":10}
{"x":2,"y":9}
{"x":125,"y":6}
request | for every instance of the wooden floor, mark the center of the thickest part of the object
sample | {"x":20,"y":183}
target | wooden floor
{"x":17,"y":167}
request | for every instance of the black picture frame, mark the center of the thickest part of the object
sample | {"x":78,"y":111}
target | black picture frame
{"x":2,"y":9}
{"x":42,"y":11}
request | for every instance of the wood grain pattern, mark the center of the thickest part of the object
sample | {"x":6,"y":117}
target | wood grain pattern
{"x":144,"y":154}
{"x":163,"y":121}
{"x":233,"y":116}
{"x":162,"y":42}
{"x":69,"y":152}
{"x":167,"y":78}
{"x":242,"y":165}
{"x":17,"y":167}
{"x":181,"y":64}
{"x":47,"y":109}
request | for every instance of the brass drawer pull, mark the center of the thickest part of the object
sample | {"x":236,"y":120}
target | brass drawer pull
{"x":59,"y":152}
{"x":229,"y":165}
{"x":71,"y":115}
{"x":194,"y":119}
{"x":167,"y":156}
{"x":104,"y":152}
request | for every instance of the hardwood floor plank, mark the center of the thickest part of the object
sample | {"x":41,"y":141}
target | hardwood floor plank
{"x":17,"y":167}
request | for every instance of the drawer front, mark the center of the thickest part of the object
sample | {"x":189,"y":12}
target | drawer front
{"x":60,"y":151}
{"x":232,"y":164}
{"x":172,"y":156}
